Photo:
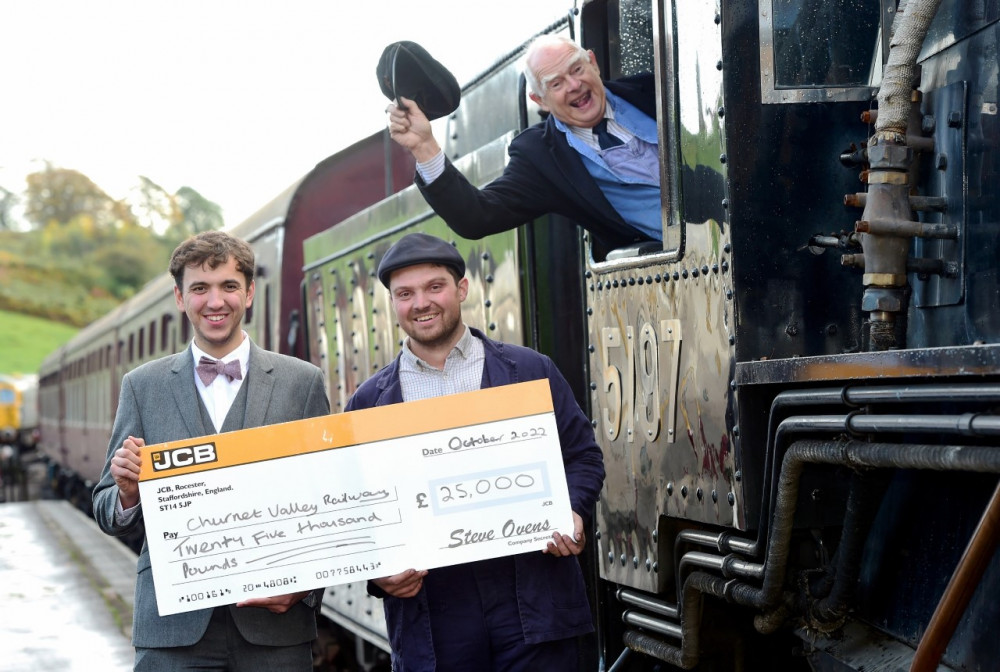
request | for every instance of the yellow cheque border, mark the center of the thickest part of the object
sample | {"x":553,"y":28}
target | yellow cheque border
{"x":361,"y":426}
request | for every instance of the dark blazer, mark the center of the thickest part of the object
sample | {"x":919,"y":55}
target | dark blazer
{"x":551,"y":595}
{"x":159,"y":402}
{"x":544,"y":175}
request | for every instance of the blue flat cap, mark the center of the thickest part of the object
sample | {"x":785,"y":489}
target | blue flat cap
{"x":419,"y":248}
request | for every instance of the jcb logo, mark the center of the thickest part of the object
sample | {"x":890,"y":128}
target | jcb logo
{"x":184,"y":457}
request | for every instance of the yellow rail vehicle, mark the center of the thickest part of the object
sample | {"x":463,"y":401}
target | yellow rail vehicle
{"x":19,"y":411}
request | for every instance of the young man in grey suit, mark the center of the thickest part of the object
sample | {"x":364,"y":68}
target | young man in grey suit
{"x":222,"y":382}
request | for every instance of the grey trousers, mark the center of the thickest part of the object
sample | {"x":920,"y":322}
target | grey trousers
{"x":224,"y":648}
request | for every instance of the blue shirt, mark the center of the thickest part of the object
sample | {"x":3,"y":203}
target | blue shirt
{"x":628,"y":175}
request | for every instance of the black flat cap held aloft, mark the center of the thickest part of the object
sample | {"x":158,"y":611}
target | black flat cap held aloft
{"x":419,"y":248}
{"x":406,"y":69}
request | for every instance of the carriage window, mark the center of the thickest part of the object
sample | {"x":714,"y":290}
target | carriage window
{"x":819,"y":50}
{"x":267,"y":317}
{"x":841,"y":58}
{"x":629,"y":38}
{"x":248,"y":315}
{"x":635,"y":38}
{"x":165,"y":333}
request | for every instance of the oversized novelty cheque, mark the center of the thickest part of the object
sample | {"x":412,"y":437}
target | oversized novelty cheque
{"x":353,"y":496}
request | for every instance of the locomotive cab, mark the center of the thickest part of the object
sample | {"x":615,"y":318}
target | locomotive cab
{"x":770,"y":385}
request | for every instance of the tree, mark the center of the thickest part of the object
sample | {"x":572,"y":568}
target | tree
{"x":129,"y":260}
{"x":84,"y":251}
{"x":197,"y":214}
{"x":60,"y":196}
{"x":153,"y":207}
{"x":8,"y":200}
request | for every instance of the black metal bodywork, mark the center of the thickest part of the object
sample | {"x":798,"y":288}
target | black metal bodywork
{"x":765,"y":282}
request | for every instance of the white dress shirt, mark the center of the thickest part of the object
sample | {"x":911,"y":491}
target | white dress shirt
{"x":219,"y":396}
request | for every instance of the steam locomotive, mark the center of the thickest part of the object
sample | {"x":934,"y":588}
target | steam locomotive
{"x":795,"y":391}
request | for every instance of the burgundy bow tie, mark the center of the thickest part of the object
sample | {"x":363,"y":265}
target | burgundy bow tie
{"x":208,"y":369}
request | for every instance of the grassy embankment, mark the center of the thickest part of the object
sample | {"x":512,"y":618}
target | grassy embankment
{"x":25,"y":341}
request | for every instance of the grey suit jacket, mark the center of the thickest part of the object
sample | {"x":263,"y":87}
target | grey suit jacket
{"x":159,"y":402}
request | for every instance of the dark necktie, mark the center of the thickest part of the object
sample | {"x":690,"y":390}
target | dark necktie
{"x":209,"y":369}
{"x":605,"y":139}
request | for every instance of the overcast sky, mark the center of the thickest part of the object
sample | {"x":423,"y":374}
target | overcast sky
{"x":235,"y":98}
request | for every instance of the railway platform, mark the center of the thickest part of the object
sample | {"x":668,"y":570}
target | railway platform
{"x":66,"y":591}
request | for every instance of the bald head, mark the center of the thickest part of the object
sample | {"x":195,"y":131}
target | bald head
{"x":544,"y":44}
{"x":564,"y":80}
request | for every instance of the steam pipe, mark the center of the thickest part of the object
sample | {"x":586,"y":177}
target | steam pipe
{"x":966,"y":424}
{"x":855,"y":455}
{"x":729,"y":565}
{"x":913,"y":264}
{"x":865,"y":493}
{"x":890,"y":156}
{"x":648,"y":622}
{"x":852,"y":454}
{"x":919,"y":203}
{"x":686,"y":655}
{"x":909,"y":28}
{"x":651,"y":646}
{"x":906,"y":228}
{"x":647,"y":602}
{"x":726,"y":542}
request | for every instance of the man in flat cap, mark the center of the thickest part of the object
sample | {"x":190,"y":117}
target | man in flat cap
{"x":521,"y":612}
{"x":595,"y":159}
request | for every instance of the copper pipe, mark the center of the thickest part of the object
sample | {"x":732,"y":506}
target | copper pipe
{"x":904,"y":228}
{"x":960,"y":589}
{"x":920,"y":203}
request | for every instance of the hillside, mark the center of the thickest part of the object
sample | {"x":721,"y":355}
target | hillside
{"x":25,"y":341}
{"x":72,"y":276}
